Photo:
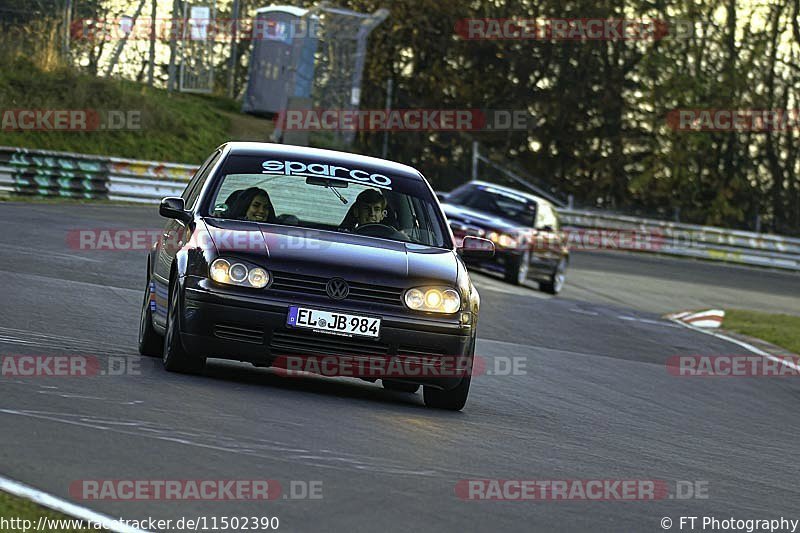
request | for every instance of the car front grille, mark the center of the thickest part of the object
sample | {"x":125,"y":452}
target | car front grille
{"x":238,"y":333}
{"x":314,"y":285}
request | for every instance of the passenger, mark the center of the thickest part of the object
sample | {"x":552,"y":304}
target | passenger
{"x":369,"y":208}
{"x":251,"y":204}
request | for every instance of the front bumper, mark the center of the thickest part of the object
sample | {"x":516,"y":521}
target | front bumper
{"x":232,"y":324}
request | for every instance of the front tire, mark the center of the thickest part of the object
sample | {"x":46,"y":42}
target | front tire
{"x":176,"y":358}
{"x":517,"y":268}
{"x":452,"y":400}
{"x":151,"y":344}
{"x":557,"y":279}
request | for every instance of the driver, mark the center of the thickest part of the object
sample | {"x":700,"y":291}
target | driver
{"x":369,"y":208}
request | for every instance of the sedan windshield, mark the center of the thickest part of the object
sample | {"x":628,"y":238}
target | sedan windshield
{"x":323,"y":196}
{"x":507,"y":206}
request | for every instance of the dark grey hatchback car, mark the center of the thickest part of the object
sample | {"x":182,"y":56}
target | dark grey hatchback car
{"x":525,"y":228}
{"x":276,"y":252}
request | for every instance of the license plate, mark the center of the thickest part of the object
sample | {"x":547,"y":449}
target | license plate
{"x":333,"y":323}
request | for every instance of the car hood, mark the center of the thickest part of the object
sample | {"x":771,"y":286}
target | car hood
{"x":470,"y":217}
{"x":331,"y":254}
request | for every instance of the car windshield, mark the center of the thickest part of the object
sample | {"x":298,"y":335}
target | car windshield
{"x":514,"y":208}
{"x":319,"y":195}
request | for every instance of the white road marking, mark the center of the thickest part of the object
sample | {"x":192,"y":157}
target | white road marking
{"x":359,"y":462}
{"x":646,"y":321}
{"x":63,"y":506}
{"x":48,"y":253}
{"x":785,"y":361}
{"x":62,"y":281}
{"x":13,"y":340}
{"x":64,"y":346}
{"x":583,"y":312}
{"x":32,"y":338}
{"x":68,"y":395}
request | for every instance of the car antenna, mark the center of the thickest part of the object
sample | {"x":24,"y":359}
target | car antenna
{"x":337,"y":193}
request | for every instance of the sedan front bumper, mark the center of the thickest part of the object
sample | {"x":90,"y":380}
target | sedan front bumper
{"x":233,"y":324}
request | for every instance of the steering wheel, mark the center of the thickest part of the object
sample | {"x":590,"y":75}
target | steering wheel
{"x":379,"y":230}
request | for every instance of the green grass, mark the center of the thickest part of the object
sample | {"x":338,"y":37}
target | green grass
{"x":781,"y":330}
{"x":12,"y":507}
{"x":175,"y":127}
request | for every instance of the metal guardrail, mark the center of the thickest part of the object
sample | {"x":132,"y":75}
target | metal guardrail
{"x":690,"y":240}
{"x":62,"y":174}
{"x":146,"y":181}
{"x":52,"y":174}
{"x":67,"y":175}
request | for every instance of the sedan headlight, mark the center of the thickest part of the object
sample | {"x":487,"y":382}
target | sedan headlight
{"x":503,"y":240}
{"x":433,"y":299}
{"x":237,"y":273}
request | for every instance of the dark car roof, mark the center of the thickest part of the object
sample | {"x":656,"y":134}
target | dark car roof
{"x":331,"y":156}
{"x":508,"y":190}
{"x":472,"y":216}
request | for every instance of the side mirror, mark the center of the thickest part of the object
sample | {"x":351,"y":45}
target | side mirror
{"x":173,"y":207}
{"x":476,"y":248}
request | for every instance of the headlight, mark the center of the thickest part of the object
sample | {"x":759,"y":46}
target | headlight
{"x":219,"y":271}
{"x":507,"y":241}
{"x":237,"y":272}
{"x":415,"y":299}
{"x":258,"y":278}
{"x":503,"y":240}
{"x":222,"y":271}
{"x":433,"y":299}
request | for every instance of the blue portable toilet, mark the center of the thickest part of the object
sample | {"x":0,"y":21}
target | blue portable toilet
{"x":285,"y":40}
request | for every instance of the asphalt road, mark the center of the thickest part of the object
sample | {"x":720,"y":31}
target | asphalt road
{"x":667,"y":284}
{"x":595,"y":401}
